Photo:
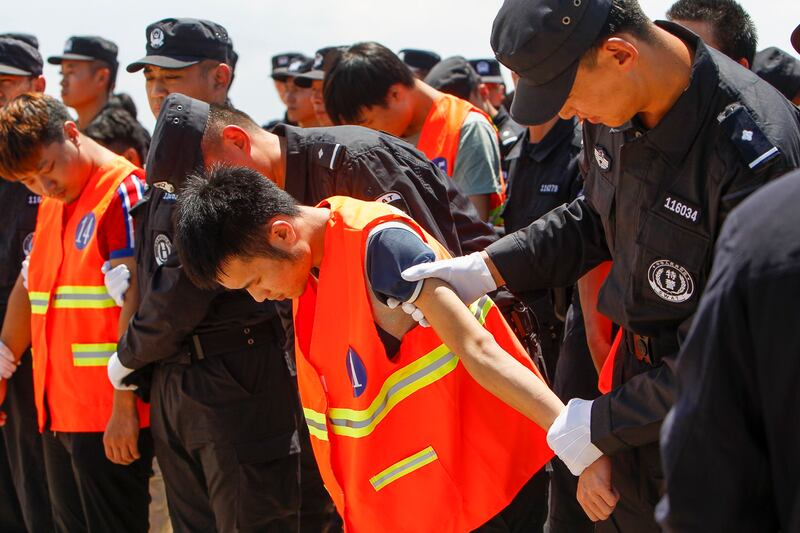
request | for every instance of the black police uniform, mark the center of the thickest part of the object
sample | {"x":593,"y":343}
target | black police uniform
{"x":735,"y":417}
{"x":371,"y":165}
{"x":508,"y":132}
{"x":654,"y":203}
{"x":22,"y":440}
{"x":541,"y":177}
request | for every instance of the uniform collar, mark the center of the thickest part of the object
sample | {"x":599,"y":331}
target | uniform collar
{"x":561,"y":134}
{"x":501,"y":117}
{"x":678,"y":130}
{"x":296,"y":163}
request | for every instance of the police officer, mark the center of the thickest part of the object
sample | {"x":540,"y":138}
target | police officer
{"x":733,"y":415}
{"x":21,"y":72}
{"x":314,"y":79}
{"x":675,"y":135}
{"x":493,"y":90}
{"x":781,"y":70}
{"x":88,"y":74}
{"x":279,"y":75}
{"x":223,"y":402}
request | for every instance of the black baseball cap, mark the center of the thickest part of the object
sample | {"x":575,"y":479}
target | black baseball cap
{"x":87,"y":48}
{"x":488,"y":70}
{"x":455,"y":76}
{"x":419,"y":59}
{"x":281,"y":62}
{"x":25,"y":37}
{"x":780,"y":69}
{"x":19,"y":58}
{"x":182,"y":42}
{"x":175,"y":150}
{"x":543,"y":41}
{"x":323,"y":58}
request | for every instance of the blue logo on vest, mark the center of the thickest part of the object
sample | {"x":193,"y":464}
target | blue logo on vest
{"x":440,"y":162}
{"x":356,"y":373}
{"x":84,"y":231}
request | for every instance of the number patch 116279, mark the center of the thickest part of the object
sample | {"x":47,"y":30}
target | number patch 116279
{"x":681,"y":209}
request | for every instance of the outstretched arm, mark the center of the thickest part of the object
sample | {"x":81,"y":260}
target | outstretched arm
{"x":491,"y":366}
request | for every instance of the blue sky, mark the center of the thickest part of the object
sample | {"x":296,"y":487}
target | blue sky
{"x":261,"y":28}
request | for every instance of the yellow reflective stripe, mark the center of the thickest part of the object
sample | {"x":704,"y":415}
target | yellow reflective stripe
{"x":316,"y":423}
{"x":39,"y":302}
{"x":403,"y":383}
{"x":403,"y":468}
{"x":92,"y":354}
{"x":82,"y":297}
{"x":399,"y":386}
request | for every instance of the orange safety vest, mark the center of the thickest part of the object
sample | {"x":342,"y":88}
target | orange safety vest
{"x":441,"y":134}
{"x":74,"y":321}
{"x":408,"y":444}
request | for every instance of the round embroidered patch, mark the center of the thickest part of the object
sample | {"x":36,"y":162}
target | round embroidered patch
{"x":670,"y":281}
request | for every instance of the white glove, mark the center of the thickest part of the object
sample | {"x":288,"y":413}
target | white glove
{"x":117,"y":281}
{"x":26,"y":263}
{"x":117,"y":372}
{"x":8,"y":363}
{"x":410,"y":309}
{"x":468,"y":275}
{"x":570,"y":436}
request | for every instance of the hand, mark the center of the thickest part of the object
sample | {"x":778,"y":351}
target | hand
{"x":26,"y":263}
{"x":570,"y":436}
{"x":595,"y":493}
{"x":3,"y":390}
{"x":410,"y":309}
{"x":8,"y":362}
{"x":468,"y":275}
{"x":117,"y":281}
{"x":122,"y":431}
{"x":117,"y":372}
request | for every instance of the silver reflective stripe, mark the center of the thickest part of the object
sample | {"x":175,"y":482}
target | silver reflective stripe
{"x":381,"y":480}
{"x":100,"y":297}
{"x":316,"y":425}
{"x":416,"y":376}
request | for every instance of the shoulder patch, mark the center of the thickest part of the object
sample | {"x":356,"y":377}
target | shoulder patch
{"x":753,"y":146}
{"x":328,"y":155}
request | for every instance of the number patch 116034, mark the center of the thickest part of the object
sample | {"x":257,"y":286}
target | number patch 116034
{"x":681,"y":209}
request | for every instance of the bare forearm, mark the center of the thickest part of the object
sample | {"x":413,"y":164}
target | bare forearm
{"x":16,"y":333}
{"x":492,"y":367}
{"x":481,"y":203}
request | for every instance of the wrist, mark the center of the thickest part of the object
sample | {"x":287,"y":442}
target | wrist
{"x":496,"y":276}
{"x":124,"y":400}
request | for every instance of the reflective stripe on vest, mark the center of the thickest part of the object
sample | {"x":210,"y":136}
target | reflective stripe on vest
{"x":316,"y":423}
{"x":96,"y":354}
{"x":403,"y":468}
{"x":400,"y":385}
{"x":82,"y":297}
{"x":39,"y":302}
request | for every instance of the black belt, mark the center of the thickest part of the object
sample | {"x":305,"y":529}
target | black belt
{"x":203,"y":345}
{"x":651,"y":350}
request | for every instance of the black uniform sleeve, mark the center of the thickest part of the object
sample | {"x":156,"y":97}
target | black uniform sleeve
{"x":172,"y":295}
{"x":553,"y":251}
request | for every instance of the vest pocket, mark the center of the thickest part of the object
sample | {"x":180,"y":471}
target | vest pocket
{"x":403,"y":468}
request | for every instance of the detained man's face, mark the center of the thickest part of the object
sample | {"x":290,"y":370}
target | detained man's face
{"x":267,"y":278}
{"x":58,"y":173}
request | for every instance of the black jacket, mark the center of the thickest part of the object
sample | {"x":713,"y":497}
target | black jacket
{"x":654,"y":203}
{"x":17,"y":220}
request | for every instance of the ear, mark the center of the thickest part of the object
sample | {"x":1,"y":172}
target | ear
{"x":39,"y":84}
{"x":483,"y":90}
{"x":103,"y":75}
{"x":282,"y":234}
{"x":71,"y":132}
{"x":621,"y":52}
{"x":397,"y":93}
{"x":236,"y":138}
{"x":132,"y":155}
{"x":744,"y":62}
{"x":223,"y":75}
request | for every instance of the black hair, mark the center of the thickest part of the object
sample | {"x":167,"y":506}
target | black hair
{"x":222,"y":213}
{"x":117,"y":130}
{"x":625,"y":16}
{"x":360,"y":77}
{"x":732,"y":26}
{"x":124,"y":101}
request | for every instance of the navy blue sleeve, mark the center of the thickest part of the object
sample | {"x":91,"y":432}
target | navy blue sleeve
{"x":389,"y":252}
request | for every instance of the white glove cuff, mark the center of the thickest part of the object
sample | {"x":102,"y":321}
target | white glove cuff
{"x":117,"y":372}
{"x":570,"y":436}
